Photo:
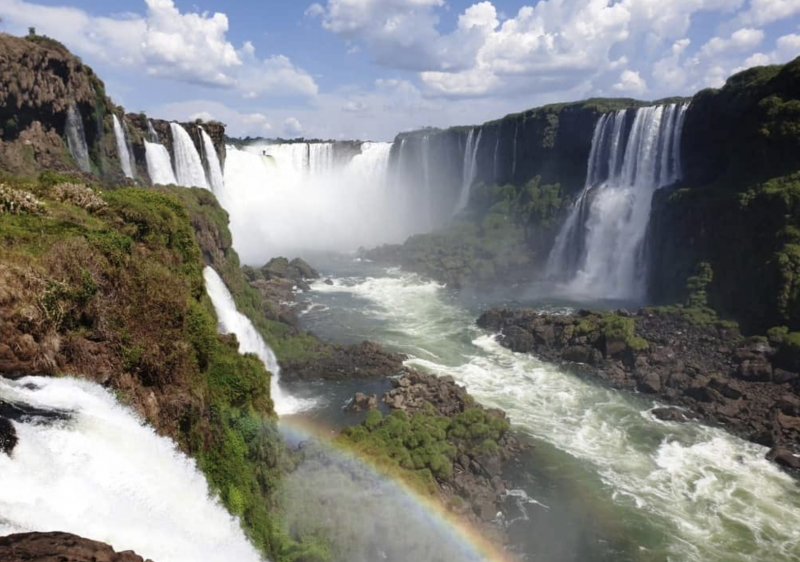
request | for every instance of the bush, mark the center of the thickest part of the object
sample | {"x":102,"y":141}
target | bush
{"x":17,"y":202}
{"x":80,"y":196}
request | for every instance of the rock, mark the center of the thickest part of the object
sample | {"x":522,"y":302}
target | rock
{"x":755,"y":370}
{"x":779,"y":376}
{"x":329,"y":281}
{"x":650,"y":384}
{"x":8,"y":436}
{"x":361,"y":402}
{"x":305,"y":271}
{"x":60,"y":547}
{"x":674,"y":414}
{"x":578,"y":354}
{"x":362,"y":361}
{"x":784,"y":457}
{"x":518,"y":339}
{"x":615,"y":348}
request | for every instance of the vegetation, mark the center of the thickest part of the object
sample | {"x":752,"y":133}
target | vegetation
{"x":420,"y":449}
{"x":118,"y":293}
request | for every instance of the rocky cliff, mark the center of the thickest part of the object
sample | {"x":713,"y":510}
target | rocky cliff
{"x":738,"y":206}
{"x":60,"y":547}
{"x":40,"y":80}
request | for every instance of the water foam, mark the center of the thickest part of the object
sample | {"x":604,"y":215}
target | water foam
{"x":106,"y":476}
{"x":712,"y":496}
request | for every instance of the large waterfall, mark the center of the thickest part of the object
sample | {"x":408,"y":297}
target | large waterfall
{"x":212,"y":163}
{"x":189,"y":169}
{"x":86,"y":465}
{"x":76,"y":139}
{"x":599,"y":252}
{"x":285,"y":198}
{"x":122,"y":148}
{"x":159,"y":164}
{"x":231,"y":321}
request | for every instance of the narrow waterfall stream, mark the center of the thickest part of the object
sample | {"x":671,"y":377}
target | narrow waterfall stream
{"x":122,"y":148}
{"x":159,"y":164}
{"x":189,"y":169}
{"x":76,"y":138}
{"x":215,"y":174}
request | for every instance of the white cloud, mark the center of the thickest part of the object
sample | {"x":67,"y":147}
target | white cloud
{"x":188,"y":47}
{"x":630,"y":82}
{"x":742,"y":40}
{"x":787,"y":48}
{"x":762,"y":12}
{"x":292,"y":127}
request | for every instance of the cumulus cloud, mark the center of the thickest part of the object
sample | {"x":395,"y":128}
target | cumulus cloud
{"x":292,"y":127}
{"x":762,"y":12}
{"x":188,"y":47}
{"x":630,"y":82}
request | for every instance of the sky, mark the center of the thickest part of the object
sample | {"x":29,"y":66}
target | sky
{"x":368,"y":69}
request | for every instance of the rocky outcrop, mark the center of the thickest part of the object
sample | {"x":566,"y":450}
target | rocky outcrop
{"x":708,"y":368}
{"x":60,"y":547}
{"x":8,"y":436}
{"x":339,"y":362}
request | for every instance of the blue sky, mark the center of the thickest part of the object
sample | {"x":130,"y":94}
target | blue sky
{"x":372,"y":68}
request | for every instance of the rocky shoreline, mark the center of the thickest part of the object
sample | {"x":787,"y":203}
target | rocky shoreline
{"x":748,"y":385}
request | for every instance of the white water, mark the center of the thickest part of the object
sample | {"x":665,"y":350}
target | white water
{"x":159,"y":164}
{"x":295,"y":197}
{"x":231,"y":321}
{"x":470,"y":169}
{"x":189,"y":169}
{"x":694,"y":493}
{"x":122,"y":148}
{"x":151,"y":131}
{"x":76,"y":139}
{"x":215,"y":175}
{"x":604,"y":233}
{"x":107,"y":476}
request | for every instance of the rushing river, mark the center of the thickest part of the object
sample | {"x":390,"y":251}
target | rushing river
{"x":604,"y":480}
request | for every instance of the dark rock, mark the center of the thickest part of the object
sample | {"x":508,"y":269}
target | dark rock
{"x":755,"y":370}
{"x":784,"y":457}
{"x":329,"y":281}
{"x":361,"y":402}
{"x":362,"y":361}
{"x":60,"y":547}
{"x":650,"y":384}
{"x":779,"y":376}
{"x":578,"y":354}
{"x":8,"y":436}
{"x":674,"y":414}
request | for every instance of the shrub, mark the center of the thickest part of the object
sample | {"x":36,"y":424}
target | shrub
{"x":17,"y":202}
{"x":80,"y":196}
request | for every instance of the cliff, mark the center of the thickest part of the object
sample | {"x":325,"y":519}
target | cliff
{"x":738,"y":206}
{"x":40,"y":80}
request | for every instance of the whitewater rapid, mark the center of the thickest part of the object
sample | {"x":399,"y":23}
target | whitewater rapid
{"x":692,"y":493}
{"x":101,"y":473}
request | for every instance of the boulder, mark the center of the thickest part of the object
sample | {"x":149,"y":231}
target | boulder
{"x":674,"y":414}
{"x":60,"y":547}
{"x":784,"y":457}
{"x":755,"y":370}
{"x":650,"y":384}
{"x":8,"y":436}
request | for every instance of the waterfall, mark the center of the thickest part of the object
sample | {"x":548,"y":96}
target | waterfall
{"x":470,"y":169}
{"x":599,"y":250}
{"x":494,"y":158}
{"x":152,"y":133}
{"x":86,"y":465}
{"x":159,"y":164}
{"x":122,"y":148}
{"x":188,"y":164}
{"x":76,"y":139}
{"x":231,"y":321}
{"x":313,"y":202}
{"x":514,"y":150}
{"x":212,"y":161}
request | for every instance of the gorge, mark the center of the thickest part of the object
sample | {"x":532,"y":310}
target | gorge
{"x":266,"y":408}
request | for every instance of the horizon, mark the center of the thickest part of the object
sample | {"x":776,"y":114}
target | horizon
{"x":366,"y":69}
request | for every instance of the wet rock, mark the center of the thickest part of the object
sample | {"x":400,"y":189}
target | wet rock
{"x":362,"y":402}
{"x":329,"y":281}
{"x":780,"y":376}
{"x":650,"y":384}
{"x":674,"y":414}
{"x":337,"y":362}
{"x":60,"y":547}
{"x":784,"y":457}
{"x":8,"y":436}
{"x":755,"y":370}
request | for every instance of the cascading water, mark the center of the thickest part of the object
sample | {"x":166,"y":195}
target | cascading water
{"x":89,"y":466}
{"x":231,"y":321}
{"x":159,"y":164}
{"x":312,"y":202}
{"x":189,"y":169}
{"x":599,"y":251}
{"x":122,"y":148}
{"x":152,"y":133}
{"x":470,"y":169}
{"x":76,"y":139}
{"x":215,"y":175}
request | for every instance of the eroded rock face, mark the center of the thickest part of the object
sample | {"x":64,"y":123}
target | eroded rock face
{"x":60,"y":547}
{"x":337,"y":362}
{"x":710,"y":370}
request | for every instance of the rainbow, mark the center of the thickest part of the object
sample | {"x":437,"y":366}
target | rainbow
{"x":460,"y":534}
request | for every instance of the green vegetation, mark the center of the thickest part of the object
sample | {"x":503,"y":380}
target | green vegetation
{"x":614,"y":328}
{"x":420,"y":449}
{"x":121,"y":287}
